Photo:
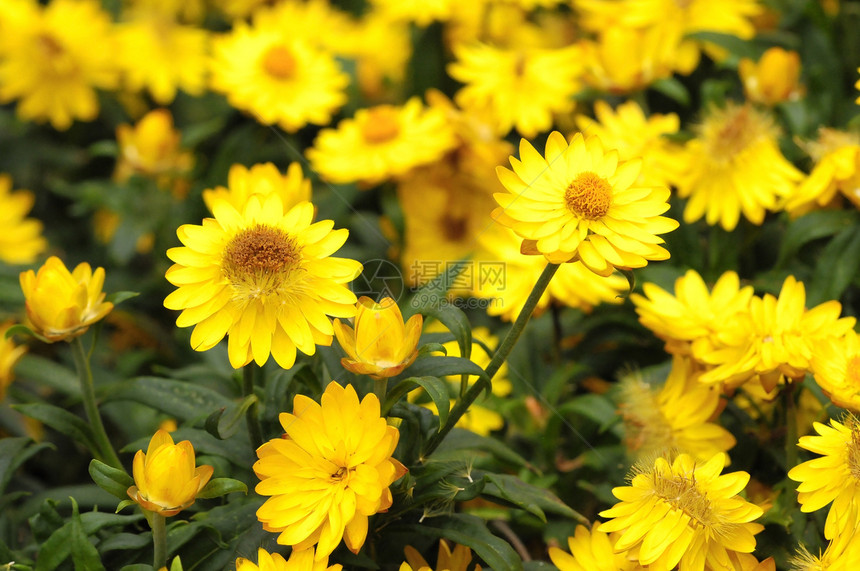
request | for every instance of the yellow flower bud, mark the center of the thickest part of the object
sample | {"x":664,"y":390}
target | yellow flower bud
{"x":62,"y":305}
{"x":381,"y":344}
{"x":152,"y":148}
{"x":166,"y":480}
{"x":774,"y":78}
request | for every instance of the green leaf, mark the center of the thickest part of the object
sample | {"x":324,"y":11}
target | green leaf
{"x":435,"y":387}
{"x":472,"y":532}
{"x":837,"y":266}
{"x":60,"y":420}
{"x":225,"y":422}
{"x":20,"y":329}
{"x":13,"y":453}
{"x":460,"y":443}
{"x":111,"y":480}
{"x":221,"y":487}
{"x":182,"y":400}
{"x":55,"y":549}
{"x":118,"y":297}
{"x":453,"y":318}
{"x":813,"y":226}
{"x":512,"y":491}
{"x":48,"y":373}
{"x":436,"y":366}
{"x":595,"y":407}
{"x":84,"y":554}
{"x":673,"y":89}
{"x":735,"y":45}
{"x":176,"y":565}
{"x":125,"y":542}
{"x":124,"y":504}
{"x":433,"y":294}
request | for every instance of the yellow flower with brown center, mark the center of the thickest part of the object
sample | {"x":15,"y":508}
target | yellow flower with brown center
{"x":329,"y":473}
{"x":581,"y":203}
{"x":61,"y":305}
{"x":262,"y":276}
{"x":261,"y":179}
{"x":458,"y":559}
{"x":10,"y":354}
{"x":380,"y":344}
{"x":683,"y":512}
{"x":834,"y":476}
{"x":166,"y":478}
{"x":724,"y":178}
{"x":593,"y":550}
{"x":837,"y":169}
{"x":299,"y":560}
{"x":835,"y":365}
{"x":774,"y":78}
{"x":382,"y":142}
{"x":21,"y":240}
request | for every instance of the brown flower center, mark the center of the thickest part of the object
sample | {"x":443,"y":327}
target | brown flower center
{"x":380,"y":125}
{"x":682,"y":493}
{"x":259,"y":261}
{"x":454,"y":227}
{"x":279,"y":62}
{"x":588,"y":196}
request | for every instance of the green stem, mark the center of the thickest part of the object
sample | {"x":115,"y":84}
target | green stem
{"x":159,"y":540}
{"x":463,"y":404}
{"x":790,"y":426}
{"x":380,"y":388}
{"x":251,"y":417}
{"x":105,"y":451}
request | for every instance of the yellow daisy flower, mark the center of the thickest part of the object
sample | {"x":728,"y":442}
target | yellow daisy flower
{"x":184,"y":10}
{"x":316,"y":22}
{"x":832,"y":477}
{"x":261,"y":179}
{"x":593,"y":550}
{"x":262,"y":276}
{"x":458,"y":559}
{"x":693,"y":313}
{"x":21,"y":241}
{"x":381,"y":50}
{"x":278,"y":79}
{"x":634,"y":135}
{"x":422,"y":12}
{"x":160,"y":55}
{"x":237,"y":9}
{"x":835,"y":365}
{"x":674,"y":417}
{"x":329,"y":472}
{"x":299,"y":560}
{"x":837,"y":169}
{"x":724,"y":177}
{"x":516,"y":88}
{"x":841,"y":554}
{"x":581,"y":203}
{"x":49,"y":64}
{"x":774,"y":78}
{"x":773,"y":340}
{"x":381,"y":142}
{"x":684,"y":512}
{"x":10,"y":354}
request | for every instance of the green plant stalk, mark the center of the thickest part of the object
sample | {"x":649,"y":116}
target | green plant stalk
{"x":463,"y":404}
{"x":105,"y":452}
{"x":790,"y":426}
{"x":251,"y":416}
{"x":380,"y":388}
{"x":159,"y":540}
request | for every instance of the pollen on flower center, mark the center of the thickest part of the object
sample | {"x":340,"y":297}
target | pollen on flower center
{"x":341,"y":474}
{"x":588,"y":196}
{"x":681,"y":493}
{"x":259,"y":260}
{"x":380,"y":125}
{"x":279,"y":62}
{"x":733,"y":131}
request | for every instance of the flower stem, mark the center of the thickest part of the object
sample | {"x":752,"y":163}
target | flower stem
{"x":380,"y":388}
{"x":462,"y":405}
{"x":790,"y":426}
{"x":159,"y":540}
{"x":104,"y":451}
{"x":251,"y":417}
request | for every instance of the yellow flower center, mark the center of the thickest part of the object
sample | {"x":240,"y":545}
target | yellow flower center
{"x":279,"y":62}
{"x":380,"y":125}
{"x":588,"y":196}
{"x":260,"y":261}
{"x":60,"y":61}
{"x":732,"y":131}
{"x":341,"y":475}
{"x":854,"y":450}
{"x":682,"y":494}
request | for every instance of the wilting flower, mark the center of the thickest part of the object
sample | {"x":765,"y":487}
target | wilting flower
{"x":684,"y":512}
{"x":457,"y":560}
{"x":300,"y":560}
{"x":581,"y":203}
{"x":774,"y":78}
{"x":832,"y":477}
{"x":261,"y":179}
{"x":380,"y":344}
{"x":263,"y":276}
{"x":166,"y":478}
{"x":10,"y":354}
{"x":329,"y":473}
{"x":21,"y":240}
{"x":593,"y":550}
{"x":61,"y":305}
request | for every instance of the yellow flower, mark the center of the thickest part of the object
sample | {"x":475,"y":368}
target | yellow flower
{"x":278,"y":79}
{"x":51,"y":66}
{"x":684,"y":512}
{"x":516,"y":88}
{"x":62,"y":305}
{"x":263,"y":276}
{"x":381,"y":50}
{"x":160,"y":55}
{"x":380,"y":345}
{"x":693,"y":313}
{"x":724,"y":177}
{"x":832,"y":477}
{"x":10,"y":354}
{"x":625,"y":59}
{"x":592,"y":550}
{"x":774,"y":79}
{"x":581,"y":203}
{"x":457,"y":560}
{"x":837,"y":169}
{"x":772,"y":340}
{"x":166,"y":480}
{"x":329,"y":472}
{"x":21,"y":240}
{"x":300,"y":560}
{"x":673,"y":417}
{"x":152,"y":148}
{"x":835,"y":365}
{"x":633,"y":135}
{"x":381,"y":142}
{"x":261,"y":179}
{"x":422,"y":12}
{"x":841,"y":554}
